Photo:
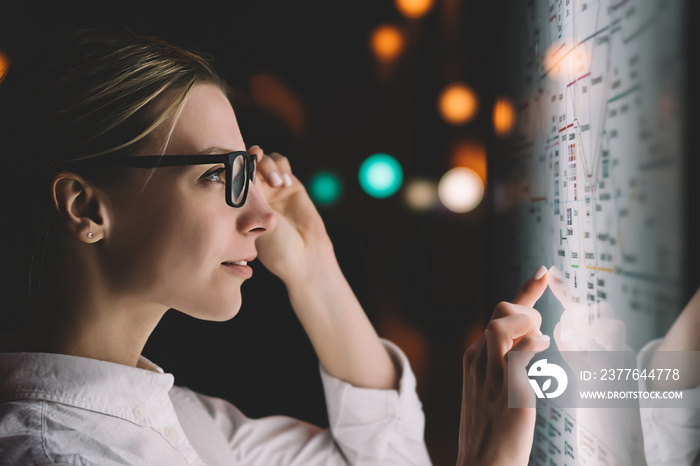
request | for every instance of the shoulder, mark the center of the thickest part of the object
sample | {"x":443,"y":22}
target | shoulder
{"x":21,"y":441}
{"x":26,"y":435}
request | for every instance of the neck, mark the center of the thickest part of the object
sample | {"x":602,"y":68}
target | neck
{"x":117,"y":334}
{"x":77,"y":314}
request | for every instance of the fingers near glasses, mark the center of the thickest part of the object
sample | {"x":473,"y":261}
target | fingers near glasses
{"x":269,"y":171}
{"x":273,"y":168}
{"x":283,"y":166}
{"x":257,"y":152}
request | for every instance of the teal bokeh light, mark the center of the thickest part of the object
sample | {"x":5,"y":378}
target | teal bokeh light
{"x":325,"y":188}
{"x":380,"y":175}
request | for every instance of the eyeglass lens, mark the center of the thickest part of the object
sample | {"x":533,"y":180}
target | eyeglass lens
{"x":239,"y":174}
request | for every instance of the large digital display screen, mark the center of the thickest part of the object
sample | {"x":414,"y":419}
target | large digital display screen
{"x":591,"y":185}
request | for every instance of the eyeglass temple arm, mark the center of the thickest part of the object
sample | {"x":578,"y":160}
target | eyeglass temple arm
{"x":153,"y":161}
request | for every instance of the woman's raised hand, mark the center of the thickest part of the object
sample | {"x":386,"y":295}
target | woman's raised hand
{"x":299,"y":252}
{"x":490,"y":432}
{"x":300,"y":238}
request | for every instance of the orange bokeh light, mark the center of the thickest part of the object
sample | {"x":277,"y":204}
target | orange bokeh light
{"x":458,"y":104}
{"x":269,"y":92}
{"x":566,"y":65}
{"x":387,"y":43}
{"x":4,"y":65}
{"x":470,"y":154}
{"x":503,"y":116}
{"x":414,"y":8}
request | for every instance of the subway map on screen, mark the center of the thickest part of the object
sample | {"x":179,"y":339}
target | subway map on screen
{"x":592,"y":189}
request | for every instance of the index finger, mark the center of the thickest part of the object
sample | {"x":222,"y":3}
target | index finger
{"x":532,"y":289}
{"x":502,"y":335}
{"x":257,"y":150}
{"x":268,"y":167}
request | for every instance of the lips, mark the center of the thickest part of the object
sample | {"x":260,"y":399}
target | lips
{"x":244,"y":261}
{"x":239,"y":268}
{"x":236,"y":263}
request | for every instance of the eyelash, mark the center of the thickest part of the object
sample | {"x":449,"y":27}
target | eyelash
{"x":218,"y":171}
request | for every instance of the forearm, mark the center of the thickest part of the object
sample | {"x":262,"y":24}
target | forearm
{"x":681,"y":337}
{"x":345,"y":341}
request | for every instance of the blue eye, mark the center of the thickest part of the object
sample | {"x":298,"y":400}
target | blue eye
{"x":216,"y":176}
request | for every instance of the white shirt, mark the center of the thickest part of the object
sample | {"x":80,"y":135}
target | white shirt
{"x":671,"y":435}
{"x":57,"y":409}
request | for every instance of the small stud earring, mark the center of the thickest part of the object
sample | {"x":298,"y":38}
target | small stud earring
{"x":90,"y":235}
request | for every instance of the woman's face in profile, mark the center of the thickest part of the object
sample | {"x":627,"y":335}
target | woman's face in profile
{"x":173,"y":231}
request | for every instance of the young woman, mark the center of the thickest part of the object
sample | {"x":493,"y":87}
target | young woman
{"x":128,"y":191}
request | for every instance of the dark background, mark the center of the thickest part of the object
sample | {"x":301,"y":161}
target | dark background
{"x":422,"y":277}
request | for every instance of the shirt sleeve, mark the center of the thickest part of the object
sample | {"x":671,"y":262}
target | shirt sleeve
{"x":368,"y":427}
{"x":671,"y":435}
{"x":373,"y":426}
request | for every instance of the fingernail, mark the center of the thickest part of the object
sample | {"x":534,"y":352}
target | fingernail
{"x":540,"y":273}
{"x":287,"y":179}
{"x":254,"y":147}
{"x":543,"y":337}
{"x":275,"y":179}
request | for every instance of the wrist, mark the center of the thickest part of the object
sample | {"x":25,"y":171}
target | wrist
{"x":320,"y":292}
{"x":315,"y":267}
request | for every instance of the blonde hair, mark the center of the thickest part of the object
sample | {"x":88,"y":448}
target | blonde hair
{"x":83,"y":94}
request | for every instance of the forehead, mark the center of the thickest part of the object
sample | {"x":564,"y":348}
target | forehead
{"x":206,"y":120}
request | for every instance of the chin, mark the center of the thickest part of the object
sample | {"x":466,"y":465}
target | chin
{"x":223,"y":317}
{"x":227,"y":312}
{"x":209,"y":316}
{"x":217,"y":312}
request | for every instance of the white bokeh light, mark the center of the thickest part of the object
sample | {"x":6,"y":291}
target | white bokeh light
{"x":421,"y":194}
{"x":461,"y":189}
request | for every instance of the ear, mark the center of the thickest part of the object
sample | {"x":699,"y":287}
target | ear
{"x":82,"y":206}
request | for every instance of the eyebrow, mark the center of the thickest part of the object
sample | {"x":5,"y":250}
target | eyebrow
{"x":214,"y":150}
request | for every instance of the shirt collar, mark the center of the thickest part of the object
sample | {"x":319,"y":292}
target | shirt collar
{"x":101,"y":386}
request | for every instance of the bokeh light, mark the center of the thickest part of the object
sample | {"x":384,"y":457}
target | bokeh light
{"x":461,"y":189}
{"x":666,"y":105}
{"x":380,"y":175}
{"x":503,"y":116}
{"x":421,"y":195}
{"x":414,"y":8}
{"x":458,"y":104}
{"x":325,"y":188}
{"x":4,"y":65}
{"x":269,"y":92}
{"x":387,"y":42}
{"x":566,"y":65}
{"x":470,"y":154}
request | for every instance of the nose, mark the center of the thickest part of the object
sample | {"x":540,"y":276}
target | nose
{"x":256,"y":216}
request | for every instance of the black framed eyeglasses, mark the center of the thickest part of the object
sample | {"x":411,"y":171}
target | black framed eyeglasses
{"x":240,"y":168}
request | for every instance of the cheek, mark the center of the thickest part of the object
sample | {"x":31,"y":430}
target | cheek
{"x":173,"y":254}
{"x":150,"y":237}
{"x":194,"y":281}
{"x":183,"y":246}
